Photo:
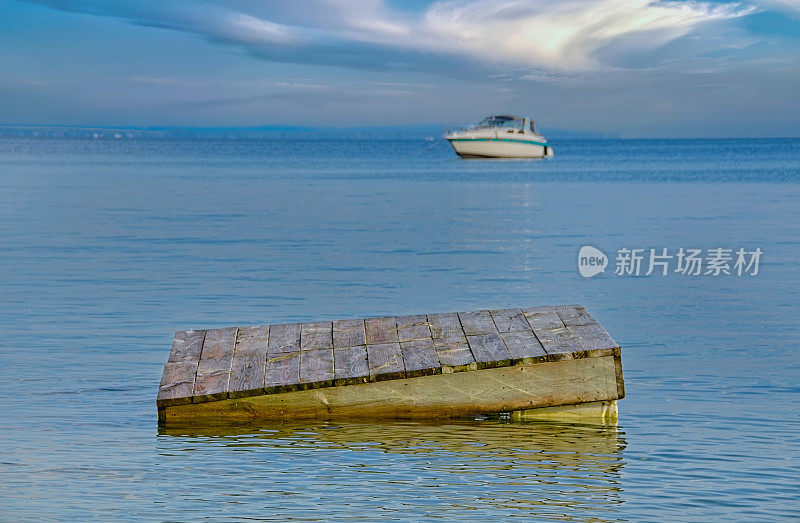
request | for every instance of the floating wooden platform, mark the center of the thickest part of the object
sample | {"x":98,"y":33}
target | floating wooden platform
{"x":529,"y":361}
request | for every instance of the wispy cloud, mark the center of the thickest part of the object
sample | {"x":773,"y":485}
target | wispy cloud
{"x":447,"y":36}
{"x":788,"y":4}
{"x":566,"y":35}
{"x":789,"y":7}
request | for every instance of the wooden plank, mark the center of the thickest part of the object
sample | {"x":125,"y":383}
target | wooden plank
{"x":592,"y":336}
{"x":187,"y":346}
{"x":523,"y":345}
{"x":249,"y":359}
{"x":489,"y":350}
{"x":282,"y":372}
{"x":510,"y":320}
{"x":283,"y":338}
{"x":445,"y":326}
{"x":381,"y":330}
{"x":558,"y":343}
{"x":574,"y":315}
{"x":214,"y":368}
{"x":478,"y":322}
{"x":350,"y":365}
{"x":316,"y":335}
{"x":385,"y":361}
{"x":316,"y":367}
{"x":413,"y":328}
{"x":454,"y":355}
{"x":348,"y":333}
{"x":543,"y":318}
{"x":420,"y":358}
{"x":177,"y":379}
{"x":557,"y":340}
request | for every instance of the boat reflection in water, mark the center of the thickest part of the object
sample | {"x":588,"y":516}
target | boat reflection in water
{"x":450,"y":469}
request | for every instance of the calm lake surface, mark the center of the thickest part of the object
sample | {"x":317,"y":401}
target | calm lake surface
{"x":109,"y":246}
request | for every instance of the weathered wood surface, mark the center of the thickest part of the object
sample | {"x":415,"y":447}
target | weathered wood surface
{"x":231,"y":364}
{"x":381,"y":330}
{"x":455,"y":355}
{"x":523,"y":345}
{"x":476,"y":323}
{"x":510,"y":320}
{"x":556,"y":339}
{"x":282,"y":368}
{"x":284,"y":338}
{"x":450,"y":343}
{"x":282,"y":371}
{"x":420,"y":358}
{"x":249,"y":361}
{"x":385,"y":361}
{"x":348,"y":333}
{"x":413,"y":328}
{"x":445,"y":326}
{"x":350,"y":365}
{"x":214,"y":369}
{"x":316,"y":335}
{"x":316,"y":367}
{"x":489,"y":350}
{"x":177,"y":380}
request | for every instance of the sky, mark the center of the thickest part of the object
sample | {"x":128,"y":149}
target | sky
{"x":633,"y":68}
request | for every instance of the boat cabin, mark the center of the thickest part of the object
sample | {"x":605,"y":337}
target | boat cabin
{"x":520,"y":124}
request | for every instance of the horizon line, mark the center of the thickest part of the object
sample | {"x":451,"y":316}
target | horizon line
{"x":278,"y":128}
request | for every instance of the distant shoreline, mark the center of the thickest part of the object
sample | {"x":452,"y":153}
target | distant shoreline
{"x":233,"y":133}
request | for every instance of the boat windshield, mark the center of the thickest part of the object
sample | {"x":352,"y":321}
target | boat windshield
{"x":501,"y":121}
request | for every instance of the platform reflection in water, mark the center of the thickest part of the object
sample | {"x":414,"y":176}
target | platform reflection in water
{"x":537,"y":469}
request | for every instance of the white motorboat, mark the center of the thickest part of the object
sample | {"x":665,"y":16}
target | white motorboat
{"x":500,"y":136}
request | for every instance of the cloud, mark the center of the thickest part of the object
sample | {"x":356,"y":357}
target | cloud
{"x":789,"y":7}
{"x":788,"y":4}
{"x":566,"y":35}
{"x":451,"y":37}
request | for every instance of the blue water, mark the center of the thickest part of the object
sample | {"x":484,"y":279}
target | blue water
{"x":108,"y":247}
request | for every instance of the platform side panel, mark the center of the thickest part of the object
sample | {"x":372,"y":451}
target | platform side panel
{"x":502,"y":389}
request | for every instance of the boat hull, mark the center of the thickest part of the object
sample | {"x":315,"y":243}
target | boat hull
{"x":499,"y":148}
